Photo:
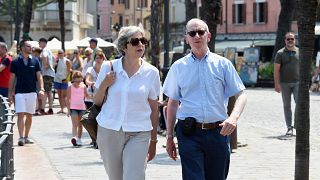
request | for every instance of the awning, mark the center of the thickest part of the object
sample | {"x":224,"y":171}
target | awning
{"x":240,"y":45}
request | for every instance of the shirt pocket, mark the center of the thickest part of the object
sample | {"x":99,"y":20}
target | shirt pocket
{"x":216,"y":87}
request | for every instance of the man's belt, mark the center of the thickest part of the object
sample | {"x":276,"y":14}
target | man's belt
{"x":205,"y":126}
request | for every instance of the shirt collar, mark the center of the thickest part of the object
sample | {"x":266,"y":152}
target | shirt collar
{"x":194,"y":59}
{"x":120,"y":69}
{"x":21,"y":56}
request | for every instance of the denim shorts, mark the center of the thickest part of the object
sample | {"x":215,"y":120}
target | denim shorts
{"x":77,"y":112}
{"x":60,"y":85}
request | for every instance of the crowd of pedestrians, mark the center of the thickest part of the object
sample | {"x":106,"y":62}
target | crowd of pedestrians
{"x":28,"y":79}
{"x":197,"y":87}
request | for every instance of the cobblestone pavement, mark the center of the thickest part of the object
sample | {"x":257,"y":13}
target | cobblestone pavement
{"x":263,"y":152}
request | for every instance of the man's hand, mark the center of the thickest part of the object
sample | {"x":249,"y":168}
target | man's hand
{"x":228,"y":126}
{"x":41,"y":94}
{"x":171,"y":149}
{"x":277,"y":87}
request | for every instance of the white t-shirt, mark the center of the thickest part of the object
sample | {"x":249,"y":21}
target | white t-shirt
{"x":127,"y":105}
{"x":91,"y":89}
{"x":50,"y":70}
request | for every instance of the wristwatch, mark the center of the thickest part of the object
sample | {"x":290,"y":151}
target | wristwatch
{"x":42,"y":89}
{"x":168,"y":136}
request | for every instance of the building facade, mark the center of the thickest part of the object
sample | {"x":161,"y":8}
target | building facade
{"x":45,"y":22}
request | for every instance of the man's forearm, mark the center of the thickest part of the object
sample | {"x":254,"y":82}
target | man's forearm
{"x":241,"y":100}
{"x":172,"y":109}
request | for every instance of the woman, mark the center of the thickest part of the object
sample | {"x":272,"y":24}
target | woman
{"x":91,"y":78}
{"x":77,"y":62}
{"x":63,"y":69}
{"x":127,"y":123}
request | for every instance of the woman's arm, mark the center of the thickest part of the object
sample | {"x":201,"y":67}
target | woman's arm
{"x":154,"y":120}
{"x":100,"y":93}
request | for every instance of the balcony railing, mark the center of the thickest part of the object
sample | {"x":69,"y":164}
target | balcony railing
{"x":86,"y":20}
{"x":52,"y":16}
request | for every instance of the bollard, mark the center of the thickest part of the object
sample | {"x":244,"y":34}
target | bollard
{"x":233,"y":136}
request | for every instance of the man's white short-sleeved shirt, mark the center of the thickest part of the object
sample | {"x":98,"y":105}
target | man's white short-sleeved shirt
{"x":127,"y":105}
{"x":202,"y":86}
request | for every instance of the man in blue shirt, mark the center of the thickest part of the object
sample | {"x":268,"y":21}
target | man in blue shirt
{"x":25,"y":73}
{"x":199,"y":86}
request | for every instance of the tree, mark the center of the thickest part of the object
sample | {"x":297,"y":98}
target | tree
{"x":284,"y":23}
{"x":62,"y":24}
{"x":27,"y":19}
{"x":211,"y":14}
{"x":191,"y":12}
{"x":306,"y":11}
{"x":155,"y":31}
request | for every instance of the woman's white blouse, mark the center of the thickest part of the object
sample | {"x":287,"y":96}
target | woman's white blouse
{"x":127,"y":105}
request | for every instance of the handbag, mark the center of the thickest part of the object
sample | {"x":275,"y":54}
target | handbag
{"x":89,"y":118}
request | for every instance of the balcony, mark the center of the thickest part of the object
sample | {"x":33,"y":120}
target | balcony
{"x":86,"y":20}
{"x":52,"y":17}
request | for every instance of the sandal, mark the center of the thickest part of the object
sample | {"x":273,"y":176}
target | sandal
{"x":60,"y":112}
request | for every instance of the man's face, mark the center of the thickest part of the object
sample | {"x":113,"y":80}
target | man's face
{"x":2,"y":50}
{"x":197,"y":36}
{"x":42,"y":44}
{"x":27,"y":48}
{"x":93,"y":45}
{"x":290,"y":40}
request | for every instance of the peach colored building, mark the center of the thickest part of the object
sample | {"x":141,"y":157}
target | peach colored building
{"x":104,"y":20}
{"x":255,"y":17}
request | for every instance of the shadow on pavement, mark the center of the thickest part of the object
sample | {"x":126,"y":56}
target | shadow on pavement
{"x":282,"y":137}
{"x":163,"y":159}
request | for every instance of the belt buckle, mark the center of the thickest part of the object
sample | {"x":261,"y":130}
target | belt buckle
{"x":202,"y":126}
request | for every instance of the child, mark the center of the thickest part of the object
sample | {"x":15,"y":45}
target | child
{"x":76,"y":107}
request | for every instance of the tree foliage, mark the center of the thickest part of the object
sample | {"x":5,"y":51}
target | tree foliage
{"x":284,"y":23}
{"x":210,"y":13}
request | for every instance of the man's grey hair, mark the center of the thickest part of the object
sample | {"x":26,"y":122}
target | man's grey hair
{"x":198,"y":21}
{"x":124,"y":35}
{"x":3,"y":45}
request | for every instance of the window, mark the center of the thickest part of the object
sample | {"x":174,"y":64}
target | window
{"x":121,"y":20}
{"x":239,"y":13}
{"x":260,"y":12}
{"x":146,"y":3}
{"x":127,"y":4}
{"x":98,"y":22}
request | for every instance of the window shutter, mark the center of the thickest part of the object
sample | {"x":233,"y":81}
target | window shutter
{"x":233,"y":13}
{"x":255,"y":12}
{"x":265,"y":13}
{"x":244,"y":13}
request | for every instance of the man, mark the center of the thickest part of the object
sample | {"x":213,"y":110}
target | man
{"x":5,"y":63}
{"x":198,"y":86}
{"x":94,"y":46}
{"x":286,"y":76}
{"x":25,"y":72}
{"x":48,"y":74}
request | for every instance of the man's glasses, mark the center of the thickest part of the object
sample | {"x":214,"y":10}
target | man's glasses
{"x":290,"y":39}
{"x":193,"y":33}
{"x":135,"y":41}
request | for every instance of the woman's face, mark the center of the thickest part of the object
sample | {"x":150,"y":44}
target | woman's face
{"x":136,"y":46}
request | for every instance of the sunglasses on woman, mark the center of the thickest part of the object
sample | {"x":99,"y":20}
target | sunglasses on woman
{"x":135,"y":41}
{"x":193,"y":33}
